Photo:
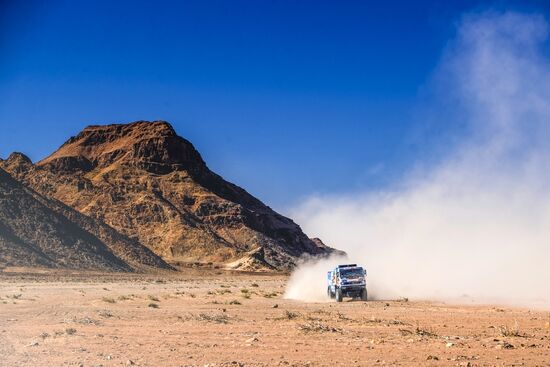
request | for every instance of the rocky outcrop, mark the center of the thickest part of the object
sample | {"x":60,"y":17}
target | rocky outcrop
{"x":152,"y":185}
{"x":36,"y":231}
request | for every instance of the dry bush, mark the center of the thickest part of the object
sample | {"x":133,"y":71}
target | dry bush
{"x":83,"y":321}
{"x":235,"y":302}
{"x":153,"y":305}
{"x":342,"y":317}
{"x":153,"y":298}
{"x":289,"y":315}
{"x":374,"y":320}
{"x":218,"y":319}
{"x":396,"y":322}
{"x":428,"y":332}
{"x":108,"y":299}
{"x":70,"y":331}
{"x":105,"y":313}
{"x":510,"y":331}
{"x":318,"y":327}
{"x":254,"y":285}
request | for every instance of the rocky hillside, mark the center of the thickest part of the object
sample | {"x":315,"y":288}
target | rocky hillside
{"x":36,"y":231}
{"x":150,"y":184}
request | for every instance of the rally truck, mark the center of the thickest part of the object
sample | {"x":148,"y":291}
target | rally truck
{"x":347,"y":281}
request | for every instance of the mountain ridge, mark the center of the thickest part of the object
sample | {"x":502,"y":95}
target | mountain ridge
{"x":148,"y":183}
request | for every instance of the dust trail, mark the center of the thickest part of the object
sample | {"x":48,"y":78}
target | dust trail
{"x":476,"y":225}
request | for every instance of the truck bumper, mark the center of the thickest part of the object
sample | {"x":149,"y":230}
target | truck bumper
{"x":352,"y":290}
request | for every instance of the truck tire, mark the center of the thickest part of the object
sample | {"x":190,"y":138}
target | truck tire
{"x":338,"y":295}
{"x":364,"y":294}
{"x":329,"y":293}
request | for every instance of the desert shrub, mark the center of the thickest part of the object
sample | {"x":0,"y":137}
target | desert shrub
{"x":108,"y":299}
{"x":291,"y":315}
{"x":318,"y":327}
{"x":105,"y":313}
{"x":425,"y":332}
{"x":510,"y":331}
{"x":219,"y":318}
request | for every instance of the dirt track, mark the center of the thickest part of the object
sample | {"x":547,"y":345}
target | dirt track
{"x":241,"y":320}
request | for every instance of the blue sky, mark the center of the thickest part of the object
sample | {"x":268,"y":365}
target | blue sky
{"x":284,"y":98}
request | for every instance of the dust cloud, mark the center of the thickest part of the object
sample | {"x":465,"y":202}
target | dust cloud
{"x":474,"y":225}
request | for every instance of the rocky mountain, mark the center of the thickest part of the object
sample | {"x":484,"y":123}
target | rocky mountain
{"x":36,"y":231}
{"x":152,"y":185}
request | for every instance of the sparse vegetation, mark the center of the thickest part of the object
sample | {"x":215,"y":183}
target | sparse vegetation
{"x":153,"y":305}
{"x":70,"y":331}
{"x":375,"y":320}
{"x":83,"y":321}
{"x":153,"y":298}
{"x":219,"y":318}
{"x":235,"y":302}
{"x":510,"y":331}
{"x":108,"y":299}
{"x":254,"y":285}
{"x":105,"y":313}
{"x":291,"y":315}
{"x":318,"y":327}
{"x":342,"y":317}
{"x":425,"y":332}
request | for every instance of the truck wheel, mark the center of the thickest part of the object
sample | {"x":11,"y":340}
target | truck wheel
{"x":329,"y":293}
{"x":338,"y":295}
{"x":364,"y":294}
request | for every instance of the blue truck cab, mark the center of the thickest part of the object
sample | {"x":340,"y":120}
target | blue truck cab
{"x":347,"y":281}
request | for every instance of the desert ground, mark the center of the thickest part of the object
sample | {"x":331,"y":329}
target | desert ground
{"x":216,"y":318}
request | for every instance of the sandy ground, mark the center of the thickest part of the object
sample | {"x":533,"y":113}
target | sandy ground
{"x":204,"y":318}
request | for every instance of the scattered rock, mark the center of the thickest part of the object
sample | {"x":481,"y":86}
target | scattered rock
{"x":251,"y":340}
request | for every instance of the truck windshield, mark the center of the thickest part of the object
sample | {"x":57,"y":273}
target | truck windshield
{"x":351,"y":273}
